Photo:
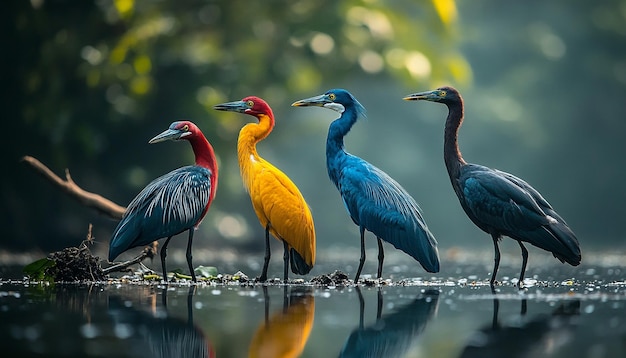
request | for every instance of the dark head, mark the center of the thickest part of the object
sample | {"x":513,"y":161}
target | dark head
{"x":446,"y":95}
{"x":177,"y":131}
{"x":338,"y":100}
{"x":251,"y":105}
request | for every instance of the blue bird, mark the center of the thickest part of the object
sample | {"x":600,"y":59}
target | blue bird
{"x":172,"y":203}
{"x":393,"y":334}
{"x":499,"y":203}
{"x":375,"y":201}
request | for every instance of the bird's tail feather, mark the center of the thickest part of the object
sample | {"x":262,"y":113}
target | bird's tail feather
{"x":423,"y":249}
{"x":565,"y":236}
{"x":558,"y":239}
{"x":298,"y":263}
{"x":120,"y":241}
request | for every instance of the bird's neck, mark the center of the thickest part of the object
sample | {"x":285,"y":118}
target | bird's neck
{"x":334,"y":142}
{"x":252,"y":133}
{"x":205,"y":157}
{"x":249,"y":136}
{"x":451,"y":152}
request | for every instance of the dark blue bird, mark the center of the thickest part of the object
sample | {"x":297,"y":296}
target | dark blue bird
{"x":172,"y":203}
{"x":497,"y":202}
{"x":374,"y":200}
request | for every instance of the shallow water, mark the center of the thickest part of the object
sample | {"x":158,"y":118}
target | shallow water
{"x":450,"y":315}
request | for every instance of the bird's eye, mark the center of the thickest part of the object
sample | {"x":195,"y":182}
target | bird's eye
{"x":185,"y":128}
{"x":442,"y":93}
{"x":332,"y":96}
{"x":250,"y":103}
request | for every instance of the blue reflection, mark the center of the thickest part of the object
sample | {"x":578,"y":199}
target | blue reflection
{"x":391,"y":335}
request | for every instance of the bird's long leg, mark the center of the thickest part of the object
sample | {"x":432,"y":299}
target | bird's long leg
{"x":524,"y":262}
{"x":362,"y":260}
{"x":496,"y":308}
{"x":379,"y":308}
{"x":285,"y":299}
{"x":163,"y":254}
{"x":496,"y":259}
{"x":263,"y":277}
{"x":190,"y":294}
{"x":381,"y":257}
{"x":189,"y":257}
{"x":361,"y":306}
{"x":266,"y":302}
{"x":286,"y":261}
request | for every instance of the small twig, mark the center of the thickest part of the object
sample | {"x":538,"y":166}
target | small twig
{"x":148,"y":252}
{"x":95,"y":201}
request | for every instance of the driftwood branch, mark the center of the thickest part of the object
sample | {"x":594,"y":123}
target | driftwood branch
{"x":147,"y":252}
{"x":91,"y":200}
{"x":94,"y":201}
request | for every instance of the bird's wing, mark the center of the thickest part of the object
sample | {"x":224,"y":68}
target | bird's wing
{"x":378,"y":203}
{"x":167,"y":206}
{"x":543,"y":203}
{"x":499,"y":202}
{"x":277,"y":199}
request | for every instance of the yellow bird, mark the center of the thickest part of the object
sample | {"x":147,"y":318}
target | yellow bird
{"x":276,"y":200}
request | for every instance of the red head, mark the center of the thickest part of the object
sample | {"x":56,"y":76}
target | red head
{"x":251,"y":105}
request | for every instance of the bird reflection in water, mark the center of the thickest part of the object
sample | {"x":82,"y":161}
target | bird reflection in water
{"x":391,"y":335}
{"x":157,"y":334}
{"x":537,"y":337}
{"x":286,"y":332}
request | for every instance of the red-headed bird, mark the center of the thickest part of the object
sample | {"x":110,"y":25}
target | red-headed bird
{"x":276,"y":200}
{"x":374,"y":200}
{"x":499,"y":203}
{"x":172,"y":203}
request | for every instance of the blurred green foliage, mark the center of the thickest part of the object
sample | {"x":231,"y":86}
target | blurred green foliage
{"x":92,"y":81}
{"x":88,"y":83}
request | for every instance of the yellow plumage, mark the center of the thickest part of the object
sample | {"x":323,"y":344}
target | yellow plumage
{"x":275,"y":198}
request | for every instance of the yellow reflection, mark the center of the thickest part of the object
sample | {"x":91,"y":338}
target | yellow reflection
{"x":286,"y":332}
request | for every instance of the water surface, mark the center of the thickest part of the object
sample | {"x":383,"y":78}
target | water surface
{"x":449,"y":315}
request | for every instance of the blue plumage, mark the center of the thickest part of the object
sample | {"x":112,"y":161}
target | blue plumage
{"x":500,"y":203}
{"x":375,"y":201}
{"x":169,"y":205}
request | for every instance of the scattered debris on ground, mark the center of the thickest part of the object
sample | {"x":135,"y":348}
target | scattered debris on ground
{"x":75,"y":264}
{"x":336,"y":278}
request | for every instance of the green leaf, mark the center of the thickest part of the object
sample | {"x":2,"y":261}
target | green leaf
{"x":37,"y":270}
{"x":206,"y":271}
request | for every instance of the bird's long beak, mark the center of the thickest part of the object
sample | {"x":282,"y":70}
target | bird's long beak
{"x":169,"y":134}
{"x":318,"y":101}
{"x":428,"y":96}
{"x":236,"y":106}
